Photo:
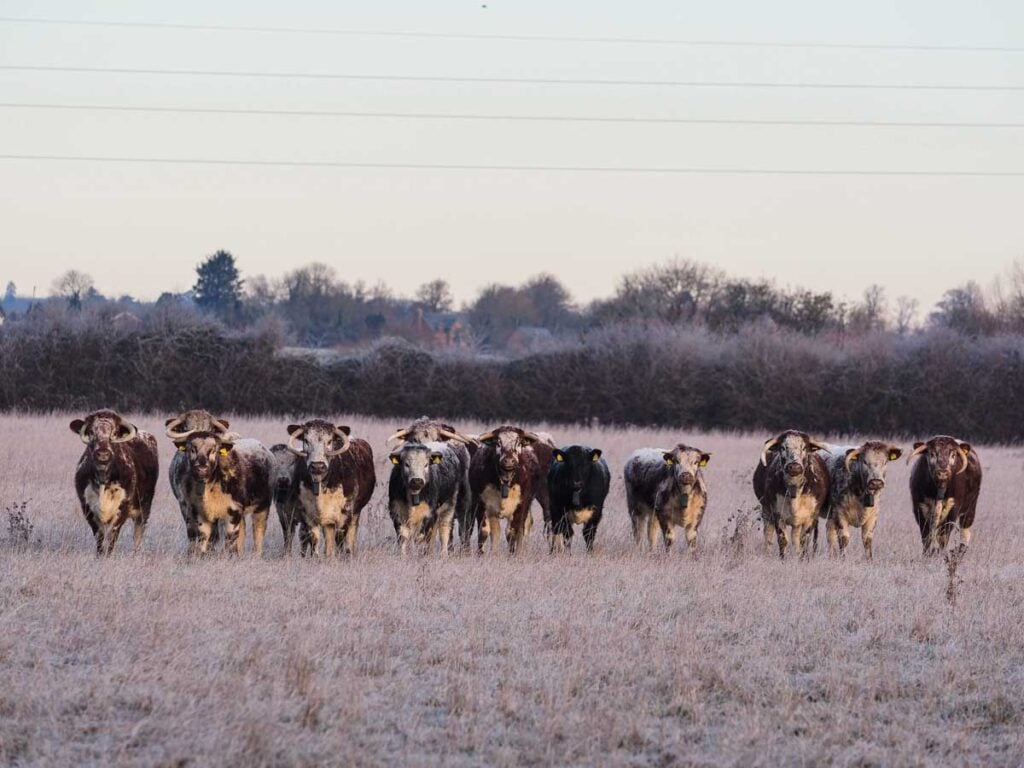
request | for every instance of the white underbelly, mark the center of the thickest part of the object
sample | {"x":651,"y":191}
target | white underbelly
{"x":496,"y":506}
{"x":105,"y":501}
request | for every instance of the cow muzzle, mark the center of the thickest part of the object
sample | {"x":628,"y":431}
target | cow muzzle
{"x":794,"y":469}
{"x":876,"y":485}
{"x":943,"y":475}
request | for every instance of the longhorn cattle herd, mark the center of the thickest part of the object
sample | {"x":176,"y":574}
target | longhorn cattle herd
{"x":322,"y":478}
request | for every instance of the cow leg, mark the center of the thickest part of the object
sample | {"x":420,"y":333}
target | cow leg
{"x":114,"y":533}
{"x":138,"y":531}
{"x":204,"y":532}
{"x":691,"y":541}
{"x":943,"y":536}
{"x":445,"y":526}
{"x":306,"y":546}
{"x":780,"y":535}
{"x":286,"y":517}
{"x":844,"y":537}
{"x":329,"y":540}
{"x":97,"y":529}
{"x":494,"y":531}
{"x":234,"y":534}
{"x":832,"y":534}
{"x":668,"y":534}
{"x":965,"y":540}
{"x":867,"y":533}
{"x":652,"y":531}
{"x":259,"y":530}
{"x":770,"y":530}
{"x":352,"y":535}
{"x":590,"y":529}
{"x":636,"y":520}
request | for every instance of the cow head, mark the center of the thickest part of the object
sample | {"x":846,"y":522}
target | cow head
{"x":427,"y":430}
{"x":318,"y":442}
{"x":507,"y":444}
{"x":793,"y":451}
{"x":578,"y":462}
{"x":946,"y":456}
{"x":685,"y":464}
{"x":868,"y":464}
{"x":415,"y":460}
{"x":180,"y":427}
{"x":101,"y":431}
{"x":205,"y":452}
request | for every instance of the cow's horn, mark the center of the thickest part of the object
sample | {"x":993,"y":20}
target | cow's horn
{"x":917,"y":451}
{"x":132,"y":432}
{"x":345,"y":441}
{"x":457,"y":436}
{"x":486,"y":436}
{"x":967,"y":460}
{"x":291,"y":442}
{"x":220,"y":425}
{"x":850,"y":457}
{"x":81,"y":432}
{"x":399,"y":435}
{"x":767,"y":447}
{"x":818,"y":446}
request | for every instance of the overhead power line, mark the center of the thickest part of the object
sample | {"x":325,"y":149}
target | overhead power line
{"x":694,"y":170}
{"x":510,"y":37}
{"x":513,"y":80}
{"x":506,"y":117}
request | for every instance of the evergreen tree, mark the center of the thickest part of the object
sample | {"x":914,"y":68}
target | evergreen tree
{"x":218,"y":288}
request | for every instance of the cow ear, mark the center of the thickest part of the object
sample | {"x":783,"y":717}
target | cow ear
{"x":894,"y":453}
{"x":559,"y":456}
{"x":669,"y":458}
{"x":704,"y":459}
{"x":394,"y":459}
{"x":293,"y":429}
{"x":436,"y":458}
{"x":595,"y":455}
{"x":225,"y":423}
{"x":76,"y":426}
{"x":965,"y":447}
{"x":344,"y":430}
{"x":918,"y":445}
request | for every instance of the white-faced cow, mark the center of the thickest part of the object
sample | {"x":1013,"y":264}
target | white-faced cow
{"x":220,"y":481}
{"x":503,"y":479}
{"x":791,"y":482}
{"x":116,"y":477}
{"x":424,"y":492}
{"x":944,"y":487}
{"x":578,"y":484}
{"x":426,"y":430}
{"x":665,"y":489}
{"x":335,"y":477}
{"x":856,"y":480}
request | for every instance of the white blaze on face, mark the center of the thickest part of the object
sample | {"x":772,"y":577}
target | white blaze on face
{"x":416,"y":466}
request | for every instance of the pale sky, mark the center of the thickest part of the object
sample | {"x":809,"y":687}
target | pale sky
{"x":141,"y":228}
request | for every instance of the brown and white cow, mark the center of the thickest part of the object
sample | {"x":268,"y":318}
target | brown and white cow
{"x":220,"y":481}
{"x":665,"y":489}
{"x":791,"y":483}
{"x":116,"y":476}
{"x":503,"y":479}
{"x":856,"y":480}
{"x":335,"y":478}
{"x":944,"y":487}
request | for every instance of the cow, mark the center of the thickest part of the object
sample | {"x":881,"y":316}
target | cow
{"x":856,"y":480}
{"x":944,"y":487}
{"x":578,"y":483}
{"x":335,"y":478}
{"x":115,"y":479}
{"x":285,"y":488}
{"x":791,"y":483}
{"x":219,"y":481}
{"x":503,"y":479}
{"x":424,"y":491}
{"x":426,"y":430}
{"x":177,"y":430}
{"x":665,"y":489}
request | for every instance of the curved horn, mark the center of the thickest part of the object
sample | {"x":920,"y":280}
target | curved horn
{"x":457,"y":436}
{"x":767,"y":447}
{"x":172,"y":426}
{"x":132,"y":432}
{"x":81,"y":432}
{"x":486,"y":436}
{"x":918,"y":450}
{"x":399,"y":435}
{"x":851,"y":456}
{"x":815,"y":445}
{"x":345,"y":442}
{"x":223,"y":426}
{"x":966,"y":460}
{"x":291,"y":442}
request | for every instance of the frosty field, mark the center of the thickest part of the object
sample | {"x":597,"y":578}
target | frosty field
{"x":619,"y":658}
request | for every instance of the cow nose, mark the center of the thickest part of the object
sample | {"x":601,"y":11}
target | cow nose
{"x":577,"y":484}
{"x":876,"y":485}
{"x":104,"y":456}
{"x":686,"y":478}
{"x":318,"y":467}
{"x":508,"y":464}
{"x":416,"y":484}
{"x":942,"y":474}
{"x":794,"y":469}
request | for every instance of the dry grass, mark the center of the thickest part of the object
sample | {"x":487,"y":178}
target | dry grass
{"x":614,"y":659}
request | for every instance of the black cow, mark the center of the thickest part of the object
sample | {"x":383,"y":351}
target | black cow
{"x":944,"y":487}
{"x":116,"y":477}
{"x":424,"y":492}
{"x":578,"y":483}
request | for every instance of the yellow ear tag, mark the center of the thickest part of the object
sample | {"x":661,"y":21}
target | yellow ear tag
{"x":559,"y":457}
{"x":436,"y":460}
{"x":223,"y":451}
{"x":394,"y":460}
{"x":181,"y":448}
{"x":670,"y":462}
{"x":703,"y":462}
{"x":893,"y":455}
{"x":595,"y":458}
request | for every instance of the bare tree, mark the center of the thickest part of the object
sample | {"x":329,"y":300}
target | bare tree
{"x":435,"y":296}
{"x":73,"y":286}
{"x":906,"y":314}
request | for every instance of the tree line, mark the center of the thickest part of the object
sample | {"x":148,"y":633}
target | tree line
{"x":312,"y":307}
